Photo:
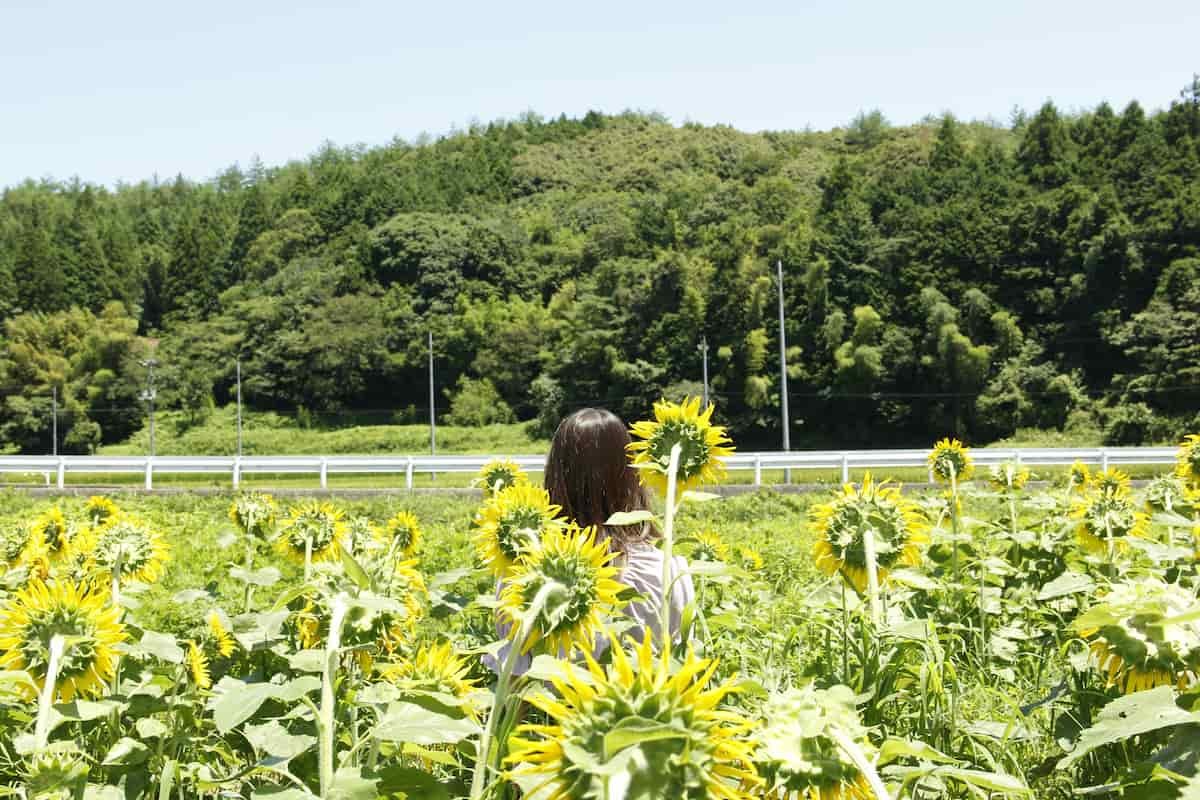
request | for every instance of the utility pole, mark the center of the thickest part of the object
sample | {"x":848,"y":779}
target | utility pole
{"x":239,"y":405}
{"x":432,"y":411}
{"x":54,"y":425}
{"x":783,"y":390}
{"x":704,"y":361}
{"x":149,"y":394}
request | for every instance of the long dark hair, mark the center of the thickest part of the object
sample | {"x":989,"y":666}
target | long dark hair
{"x":588,"y":474}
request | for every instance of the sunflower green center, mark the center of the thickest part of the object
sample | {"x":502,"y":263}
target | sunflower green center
{"x":850,"y":519}
{"x":512,"y":532}
{"x":403,"y":535}
{"x":317,"y":528}
{"x":1109,"y":514}
{"x":694,"y":448}
{"x":675,"y":765}
{"x":44,"y":624}
{"x":55,"y":535}
{"x":577,"y":577}
{"x":13,"y":539}
{"x":948,"y":462}
{"x":500,"y":475}
{"x":125,"y":545}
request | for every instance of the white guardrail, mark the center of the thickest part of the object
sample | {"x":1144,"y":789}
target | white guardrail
{"x":324,"y":466}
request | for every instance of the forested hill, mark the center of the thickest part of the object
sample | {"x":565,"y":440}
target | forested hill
{"x":940,"y":278}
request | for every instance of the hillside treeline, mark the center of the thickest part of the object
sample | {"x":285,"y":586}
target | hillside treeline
{"x":945,"y":277}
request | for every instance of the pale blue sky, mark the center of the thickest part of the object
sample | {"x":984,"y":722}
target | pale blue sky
{"x":123,"y":90}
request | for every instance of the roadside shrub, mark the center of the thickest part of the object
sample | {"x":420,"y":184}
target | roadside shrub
{"x":476,"y":403}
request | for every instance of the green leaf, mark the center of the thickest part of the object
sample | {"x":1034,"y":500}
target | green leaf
{"x":635,"y":730}
{"x":1129,"y":716}
{"x":989,"y":781}
{"x":96,"y":792}
{"x":546,"y":668}
{"x":408,"y":722}
{"x":275,"y":740}
{"x":267,"y":576}
{"x":1067,"y":583}
{"x":353,"y":569}
{"x":905,"y":748}
{"x":623,"y":518}
{"x":161,"y":646}
{"x":411,"y":782}
{"x":699,"y":497}
{"x":126,"y":753}
{"x":349,"y":784}
{"x":281,"y":793}
{"x":236,"y":701}
{"x":150,"y":728}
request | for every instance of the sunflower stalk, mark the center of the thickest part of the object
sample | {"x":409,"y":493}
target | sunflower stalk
{"x":856,"y":755}
{"x":307,"y":557}
{"x":483,"y":761}
{"x":326,"y":722}
{"x":872,"y":576}
{"x":41,"y":730}
{"x":954,"y":518}
{"x":669,"y":546}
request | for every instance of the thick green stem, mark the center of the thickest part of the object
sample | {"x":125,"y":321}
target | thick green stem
{"x":326,"y":725}
{"x":307,"y":558}
{"x":41,"y":729}
{"x":954,"y":519}
{"x":669,"y":547}
{"x":855,"y":753}
{"x":483,"y":761}
{"x":872,"y":576}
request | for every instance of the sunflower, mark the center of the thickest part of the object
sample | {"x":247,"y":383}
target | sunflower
{"x":50,"y":528}
{"x":503,"y":472}
{"x":16,"y":543}
{"x":750,"y":559}
{"x":402,"y":532}
{"x":375,"y":625}
{"x":585,"y":595}
{"x":197,"y":664}
{"x":308,"y":627}
{"x":313,"y":522}
{"x":99,"y":510}
{"x":56,"y":774}
{"x":1008,"y":477}
{"x":361,"y":534}
{"x":1079,"y":477}
{"x":702,"y":445}
{"x":131,"y":546}
{"x":437,"y":668}
{"x":1168,"y":493}
{"x":898,"y":524}
{"x":1187,"y":460}
{"x":224,"y":641}
{"x":512,"y":522}
{"x":1105,"y":513}
{"x":32,"y":616}
{"x":950,"y":458}
{"x":798,"y":757}
{"x":254,"y":513}
{"x":1111,"y":480}
{"x":1133,"y":641}
{"x":710,"y":547}
{"x":707,"y":753}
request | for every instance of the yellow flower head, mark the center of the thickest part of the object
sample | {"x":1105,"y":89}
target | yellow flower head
{"x":254,"y":513}
{"x":1108,"y":513}
{"x":131,"y":547}
{"x":1008,"y":477}
{"x":403,"y":532}
{"x":222,"y":638}
{"x":1134,"y":642}
{"x":708,"y":753}
{"x":32,"y":616}
{"x":750,"y":558}
{"x":512,"y":522}
{"x":437,"y":668}
{"x":798,"y":755}
{"x":710,"y":547}
{"x":899,"y":526}
{"x":1188,"y":460}
{"x":197,"y":664}
{"x":584,"y":590}
{"x":1079,"y":477}
{"x":313,"y":523}
{"x":950,"y":459}
{"x":1111,"y":480}
{"x":99,"y":510}
{"x":502,"y":472}
{"x":54,"y":535}
{"x":702,"y":445}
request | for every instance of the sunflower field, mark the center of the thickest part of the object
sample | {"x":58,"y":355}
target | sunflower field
{"x":1001,"y":635}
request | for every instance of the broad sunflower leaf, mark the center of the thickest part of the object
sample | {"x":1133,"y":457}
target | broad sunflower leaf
{"x":158,"y":645}
{"x":1129,"y":716}
{"x":236,"y":701}
{"x":893,"y":749}
{"x":267,"y":576}
{"x":623,"y":518}
{"x":408,"y":722}
{"x":126,"y":753}
{"x":411,"y":782}
{"x":1066,"y":584}
{"x":275,"y":740}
